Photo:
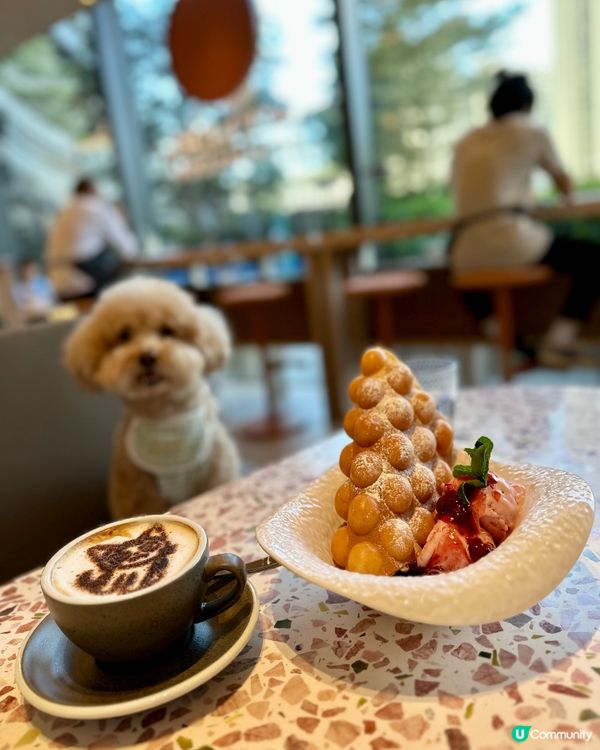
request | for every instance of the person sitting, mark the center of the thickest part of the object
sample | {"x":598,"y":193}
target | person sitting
{"x":88,"y":244}
{"x":491,"y":185}
{"x":33,"y":293}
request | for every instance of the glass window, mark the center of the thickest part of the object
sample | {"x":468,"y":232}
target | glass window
{"x":265,"y":162}
{"x":431,"y":66}
{"x":53,"y":129}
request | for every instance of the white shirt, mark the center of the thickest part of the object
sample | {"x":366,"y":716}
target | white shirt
{"x":81,"y":230}
{"x":492,"y":167}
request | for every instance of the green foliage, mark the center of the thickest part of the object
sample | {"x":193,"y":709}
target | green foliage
{"x":429,"y":203}
{"x":414,"y":50}
{"x":420,"y":88}
{"x":433,"y":202}
{"x":61,"y":87}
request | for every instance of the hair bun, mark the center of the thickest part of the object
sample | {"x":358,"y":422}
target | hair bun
{"x":512,"y":94}
{"x":503,"y":76}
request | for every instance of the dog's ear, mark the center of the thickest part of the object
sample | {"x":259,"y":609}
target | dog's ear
{"x":81,"y":354}
{"x":212,"y":337}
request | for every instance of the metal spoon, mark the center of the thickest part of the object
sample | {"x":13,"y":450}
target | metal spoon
{"x":255,"y":566}
{"x":265,"y":563}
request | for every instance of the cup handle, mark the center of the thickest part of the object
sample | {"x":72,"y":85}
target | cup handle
{"x":215,"y":564}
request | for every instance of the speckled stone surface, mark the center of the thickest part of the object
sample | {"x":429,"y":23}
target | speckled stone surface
{"x":325,"y":672}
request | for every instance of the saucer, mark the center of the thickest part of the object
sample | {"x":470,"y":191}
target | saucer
{"x":58,"y":678}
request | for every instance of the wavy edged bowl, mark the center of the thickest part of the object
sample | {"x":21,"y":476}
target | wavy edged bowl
{"x":555,"y":523}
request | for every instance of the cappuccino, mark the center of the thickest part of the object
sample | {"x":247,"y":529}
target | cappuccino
{"x":124,"y":559}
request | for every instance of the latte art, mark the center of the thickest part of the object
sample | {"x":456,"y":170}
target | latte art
{"x":128,"y":566}
{"x":124,"y":559}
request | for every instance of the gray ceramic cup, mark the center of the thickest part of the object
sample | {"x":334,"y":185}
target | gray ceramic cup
{"x":140,"y":620}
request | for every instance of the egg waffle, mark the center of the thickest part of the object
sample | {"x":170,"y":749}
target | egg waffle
{"x":396,"y":465}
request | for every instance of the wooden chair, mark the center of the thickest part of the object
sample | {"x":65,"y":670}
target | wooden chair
{"x":256,"y":300}
{"x":382,"y":288}
{"x":500,"y":284}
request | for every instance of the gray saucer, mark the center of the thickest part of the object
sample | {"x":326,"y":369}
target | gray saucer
{"x":58,"y":678}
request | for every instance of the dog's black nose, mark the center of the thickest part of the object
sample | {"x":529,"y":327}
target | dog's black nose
{"x":148,"y":359}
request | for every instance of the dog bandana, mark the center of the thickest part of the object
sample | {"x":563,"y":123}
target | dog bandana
{"x":174,"y":449}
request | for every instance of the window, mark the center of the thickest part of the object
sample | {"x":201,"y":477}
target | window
{"x":431,"y":66}
{"x":53,"y":129}
{"x":263,"y":163}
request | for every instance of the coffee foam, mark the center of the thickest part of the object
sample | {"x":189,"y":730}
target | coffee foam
{"x":124,"y":559}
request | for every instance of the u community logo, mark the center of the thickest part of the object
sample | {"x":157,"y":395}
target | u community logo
{"x":522,"y":732}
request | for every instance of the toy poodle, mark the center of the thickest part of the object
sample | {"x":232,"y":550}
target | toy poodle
{"x":147,"y":341}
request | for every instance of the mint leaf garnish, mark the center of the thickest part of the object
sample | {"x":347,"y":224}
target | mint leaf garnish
{"x":478,"y":470}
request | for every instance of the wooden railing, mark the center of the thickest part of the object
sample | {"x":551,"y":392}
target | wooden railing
{"x":344,"y":240}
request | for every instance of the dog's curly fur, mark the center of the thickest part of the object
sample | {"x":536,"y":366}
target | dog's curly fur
{"x":147,"y":341}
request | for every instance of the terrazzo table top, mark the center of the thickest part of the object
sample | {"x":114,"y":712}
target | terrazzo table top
{"x":323,"y":672}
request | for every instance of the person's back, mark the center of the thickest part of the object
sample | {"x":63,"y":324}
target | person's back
{"x":33,"y":292}
{"x":492,"y":169}
{"x":83,"y":231}
{"x":491,"y":183}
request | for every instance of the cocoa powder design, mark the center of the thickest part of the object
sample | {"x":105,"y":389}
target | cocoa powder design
{"x":128,"y":566}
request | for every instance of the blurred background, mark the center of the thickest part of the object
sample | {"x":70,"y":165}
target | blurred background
{"x":274,"y":159}
{"x":348,"y":116}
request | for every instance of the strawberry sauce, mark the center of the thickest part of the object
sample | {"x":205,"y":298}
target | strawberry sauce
{"x":451,"y":509}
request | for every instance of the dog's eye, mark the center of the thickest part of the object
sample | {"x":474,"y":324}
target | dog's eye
{"x":124,"y":336}
{"x":167,"y":331}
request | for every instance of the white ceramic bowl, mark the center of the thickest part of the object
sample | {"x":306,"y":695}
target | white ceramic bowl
{"x":555,"y":523}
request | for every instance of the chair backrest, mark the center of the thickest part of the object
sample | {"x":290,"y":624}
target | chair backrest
{"x":55,"y":446}
{"x":10,"y":315}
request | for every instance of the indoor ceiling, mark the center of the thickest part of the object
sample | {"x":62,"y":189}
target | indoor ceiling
{"x":23,"y":19}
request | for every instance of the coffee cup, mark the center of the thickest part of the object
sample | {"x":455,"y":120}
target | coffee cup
{"x":133,"y":589}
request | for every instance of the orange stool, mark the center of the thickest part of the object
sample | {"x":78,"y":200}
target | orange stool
{"x":500,"y":283}
{"x":255,"y":299}
{"x":382,"y":287}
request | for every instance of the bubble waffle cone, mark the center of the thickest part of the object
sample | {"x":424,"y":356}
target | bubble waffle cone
{"x":396,"y":464}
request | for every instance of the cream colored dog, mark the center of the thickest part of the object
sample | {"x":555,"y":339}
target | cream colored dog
{"x":147,"y":341}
